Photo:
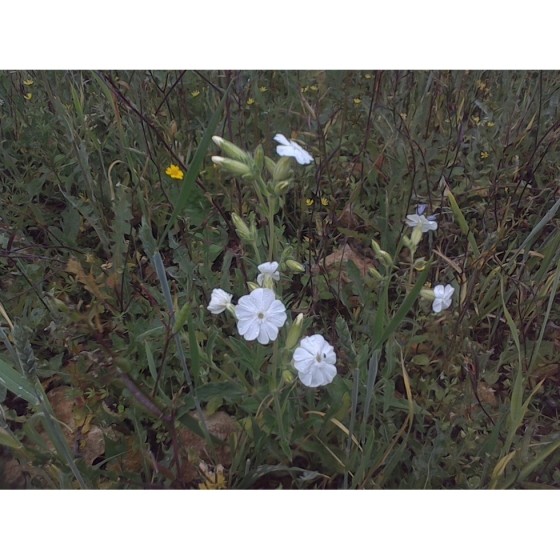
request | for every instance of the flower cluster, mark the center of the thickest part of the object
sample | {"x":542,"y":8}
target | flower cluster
{"x":260,"y":316}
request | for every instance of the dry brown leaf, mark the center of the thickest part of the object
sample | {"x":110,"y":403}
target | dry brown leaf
{"x":75,"y":267}
{"x":345,"y":254}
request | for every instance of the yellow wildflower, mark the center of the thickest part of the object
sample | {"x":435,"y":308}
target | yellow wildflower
{"x":174,"y":172}
{"x":263,"y":89}
{"x":28,"y":96}
{"x":314,"y":88}
{"x":309,"y":202}
{"x":195,"y":93}
{"x":490,"y":125}
{"x":481,"y":84}
{"x":28,"y":82}
{"x":403,"y":116}
{"x":483,"y":155}
{"x":367,"y":76}
{"x":304,"y":89}
{"x":476,"y":120}
{"x":250,"y":101}
{"x":325,"y":201}
{"x":357,"y":101}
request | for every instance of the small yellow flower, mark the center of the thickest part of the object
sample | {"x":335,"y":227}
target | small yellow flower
{"x":367,"y":76}
{"x":325,"y":201}
{"x":304,"y":89}
{"x":483,"y":155}
{"x":481,"y":84}
{"x":476,"y":120}
{"x":250,"y":101}
{"x":403,"y":116}
{"x":309,"y":202}
{"x":174,"y":172}
{"x":28,"y":82}
{"x":263,"y":89}
{"x":357,"y":101}
{"x":195,"y":93}
{"x":314,"y":88}
{"x":28,"y":96}
{"x":490,"y":125}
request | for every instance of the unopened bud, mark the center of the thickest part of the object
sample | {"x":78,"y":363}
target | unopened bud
{"x":282,"y":169}
{"x":270,"y":164}
{"x":252,"y":286}
{"x":259,"y":158}
{"x":295,"y":266}
{"x":281,"y":187}
{"x":294,"y":332}
{"x":416,"y":236}
{"x":232,"y":150}
{"x":241,"y":228}
{"x":408,"y":243}
{"x":420,"y":264}
{"x":383,"y":256}
{"x":234,"y":167}
{"x":287,"y":376}
{"x":375,"y":273}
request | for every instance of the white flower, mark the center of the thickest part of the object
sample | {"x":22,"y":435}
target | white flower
{"x":268,"y":273}
{"x":428,"y":224}
{"x":260,"y":315}
{"x":219,"y":301}
{"x":314,"y":360}
{"x":290,"y":148}
{"x":442,"y":297}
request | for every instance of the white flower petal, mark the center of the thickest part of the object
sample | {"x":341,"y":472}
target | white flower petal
{"x":281,"y":139}
{"x":314,"y":361}
{"x":286,"y":151}
{"x":219,"y":301}
{"x":439,"y":291}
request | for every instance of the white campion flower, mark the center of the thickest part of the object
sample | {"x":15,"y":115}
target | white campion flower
{"x":219,"y":301}
{"x":260,"y":315}
{"x":429,"y":223}
{"x":289,"y":148}
{"x":268,"y":273}
{"x":314,"y":361}
{"x":442,"y":297}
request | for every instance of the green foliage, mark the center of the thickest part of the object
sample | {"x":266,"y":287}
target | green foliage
{"x":107,"y":265}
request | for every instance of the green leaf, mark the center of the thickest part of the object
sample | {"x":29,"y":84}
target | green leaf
{"x":17,"y":383}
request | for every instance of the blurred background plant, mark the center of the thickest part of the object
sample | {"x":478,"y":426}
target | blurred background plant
{"x":109,"y":349}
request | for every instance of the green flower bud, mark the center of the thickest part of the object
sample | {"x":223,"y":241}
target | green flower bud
{"x":420,"y":264}
{"x":375,"y":273}
{"x":232,"y":150}
{"x":282,"y":169}
{"x":295,"y":332}
{"x":282,"y":187}
{"x":241,"y":228}
{"x":416,"y":236}
{"x":259,"y":158}
{"x":234,"y":167}
{"x":383,"y":256}
{"x":287,"y":376}
{"x":295,"y":266}
{"x":426,"y":293}
{"x":270,"y":164}
{"x":252,"y":286}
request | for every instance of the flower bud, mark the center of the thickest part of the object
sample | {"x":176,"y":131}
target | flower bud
{"x":282,"y":169}
{"x":259,"y":158}
{"x":270,"y":164}
{"x":281,"y":187}
{"x":383,"y":256}
{"x":375,"y":273}
{"x":294,"y":332}
{"x":408,"y":243}
{"x":295,"y":266}
{"x":420,"y":264}
{"x":287,"y":376}
{"x":232,"y":150}
{"x":241,"y":228}
{"x":252,"y":286}
{"x":234,"y":167}
{"x":416,"y":236}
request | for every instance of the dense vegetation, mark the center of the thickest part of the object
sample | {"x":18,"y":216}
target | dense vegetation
{"x":116,"y":226}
